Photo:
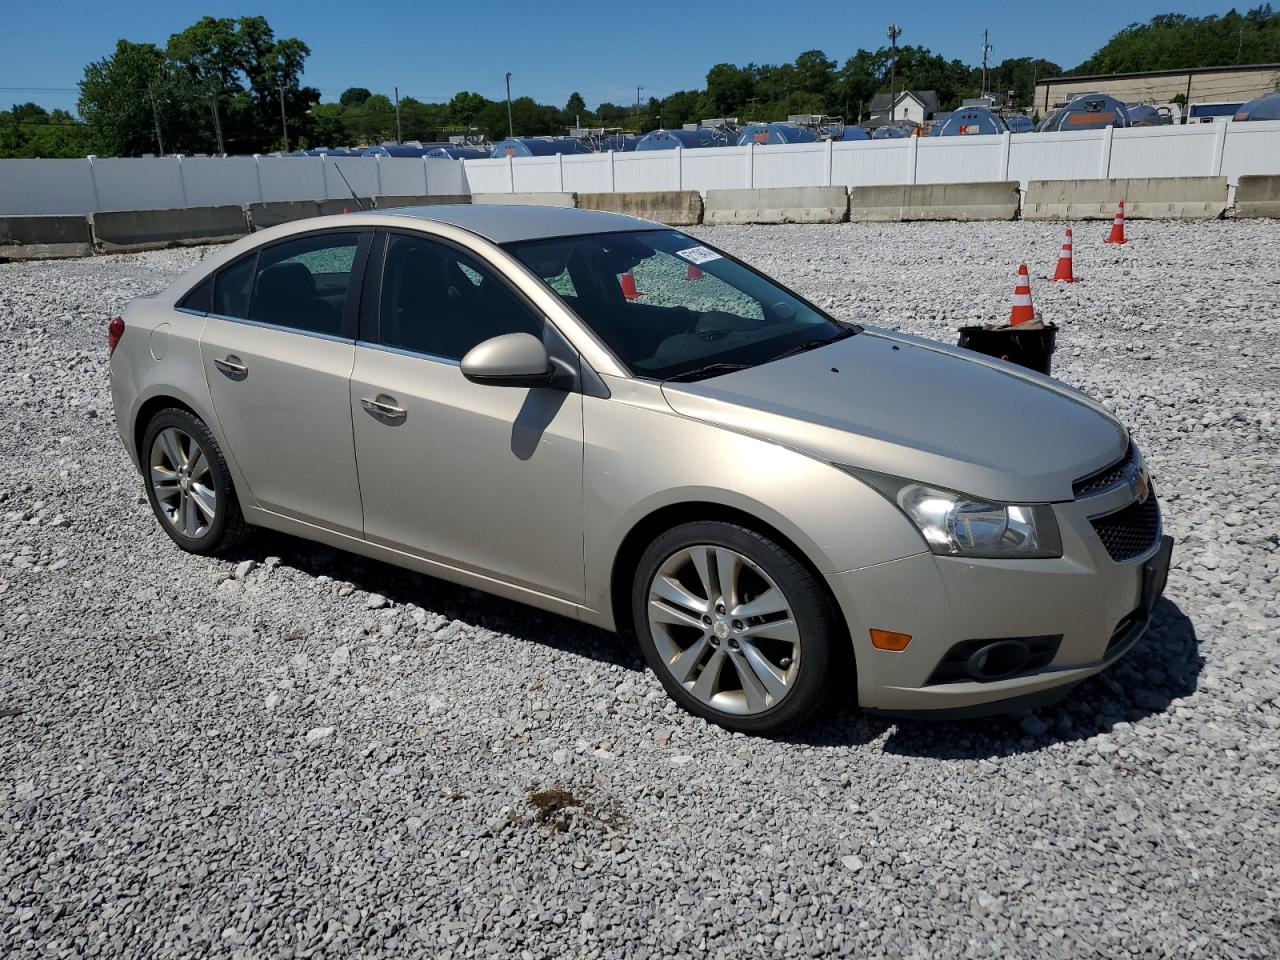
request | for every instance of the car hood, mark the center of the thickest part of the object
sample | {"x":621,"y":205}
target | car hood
{"x":915,"y":408}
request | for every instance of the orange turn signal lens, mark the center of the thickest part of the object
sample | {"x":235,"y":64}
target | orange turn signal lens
{"x":888,"y":640}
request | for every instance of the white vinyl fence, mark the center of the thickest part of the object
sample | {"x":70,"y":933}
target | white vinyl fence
{"x":98,"y":184}
{"x":1220,"y":149}
{"x":95,"y":184}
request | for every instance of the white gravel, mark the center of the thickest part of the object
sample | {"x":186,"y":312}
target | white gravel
{"x":293,"y":752}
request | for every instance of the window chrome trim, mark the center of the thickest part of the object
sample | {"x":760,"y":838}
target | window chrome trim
{"x":281,"y":328}
{"x":413,"y":354}
{"x":189,"y":312}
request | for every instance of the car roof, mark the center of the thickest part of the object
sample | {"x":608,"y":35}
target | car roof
{"x":507,"y":223}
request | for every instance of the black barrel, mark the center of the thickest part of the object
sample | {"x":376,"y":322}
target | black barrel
{"x":1032,"y":349}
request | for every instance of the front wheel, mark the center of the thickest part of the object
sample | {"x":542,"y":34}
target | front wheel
{"x":738,"y":630}
{"x":188,"y":484}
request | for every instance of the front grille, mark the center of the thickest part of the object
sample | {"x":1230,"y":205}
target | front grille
{"x":1130,"y":532}
{"x":1106,"y":477}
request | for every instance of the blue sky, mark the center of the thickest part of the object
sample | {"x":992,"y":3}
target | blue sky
{"x":552,"y":47}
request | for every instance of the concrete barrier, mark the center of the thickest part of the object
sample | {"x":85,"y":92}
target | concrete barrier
{"x":528,"y":199}
{"x":129,"y":230}
{"x":935,"y":201}
{"x":678,"y":208}
{"x":275,"y":212}
{"x":43,"y":238}
{"x":1258,"y":196}
{"x":388,"y":203}
{"x":1151,"y":198}
{"x":777,"y":205}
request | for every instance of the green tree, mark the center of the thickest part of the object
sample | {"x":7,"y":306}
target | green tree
{"x":354,"y":96}
{"x":465,"y":108}
{"x":1173,"y":41}
{"x":116,"y":99}
{"x":729,"y":88}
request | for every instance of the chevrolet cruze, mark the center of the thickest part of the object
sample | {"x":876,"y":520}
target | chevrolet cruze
{"x":609,"y":419}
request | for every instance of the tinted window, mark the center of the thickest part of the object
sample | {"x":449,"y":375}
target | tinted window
{"x":200,"y":299}
{"x":231,"y":288}
{"x":669,"y":307}
{"x":303,"y":283}
{"x":439,"y":301}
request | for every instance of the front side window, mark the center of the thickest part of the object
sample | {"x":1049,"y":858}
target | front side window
{"x":441,"y":302}
{"x":667,"y":306}
{"x":302,"y":283}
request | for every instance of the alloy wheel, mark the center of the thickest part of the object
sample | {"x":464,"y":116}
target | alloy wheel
{"x":182,"y":480}
{"x":724,"y":629}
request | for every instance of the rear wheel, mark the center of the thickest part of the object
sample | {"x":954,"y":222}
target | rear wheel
{"x":738,"y":630}
{"x":188,"y":484}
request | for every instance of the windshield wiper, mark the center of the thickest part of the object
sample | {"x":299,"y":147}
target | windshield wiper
{"x":702,"y":373}
{"x":814,"y":344}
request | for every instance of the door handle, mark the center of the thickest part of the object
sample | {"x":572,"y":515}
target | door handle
{"x":232,"y":367}
{"x":384,"y":409}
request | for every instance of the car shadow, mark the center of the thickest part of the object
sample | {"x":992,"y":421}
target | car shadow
{"x":448,"y":600}
{"x":1163,"y":666}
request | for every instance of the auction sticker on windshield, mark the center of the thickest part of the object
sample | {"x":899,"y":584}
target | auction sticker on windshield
{"x":698,"y":254}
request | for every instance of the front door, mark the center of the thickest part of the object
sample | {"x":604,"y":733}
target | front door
{"x":488,"y":479}
{"x":277,"y":349}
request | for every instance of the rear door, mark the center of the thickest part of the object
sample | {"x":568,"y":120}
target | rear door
{"x":484,"y":478}
{"x":278,"y":349}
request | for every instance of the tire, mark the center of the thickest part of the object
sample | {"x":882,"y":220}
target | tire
{"x":800,"y":642}
{"x":182,"y":498}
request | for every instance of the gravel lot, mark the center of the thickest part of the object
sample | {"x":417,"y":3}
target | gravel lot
{"x":297,"y":752}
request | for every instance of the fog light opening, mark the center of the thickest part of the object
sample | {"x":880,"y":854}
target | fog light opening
{"x":998,"y":660}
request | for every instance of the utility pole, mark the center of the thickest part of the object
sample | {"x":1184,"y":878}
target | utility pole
{"x":284,"y":124}
{"x":986,"y":49}
{"x":155,"y":116}
{"x":511,"y":130}
{"x":217,"y":124}
{"x":399,"y":138}
{"x":893,"y":33}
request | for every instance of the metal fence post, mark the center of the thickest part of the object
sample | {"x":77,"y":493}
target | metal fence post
{"x":93,"y":181}
{"x":1104,"y":161}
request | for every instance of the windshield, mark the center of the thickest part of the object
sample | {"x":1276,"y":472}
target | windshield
{"x":667,"y":306}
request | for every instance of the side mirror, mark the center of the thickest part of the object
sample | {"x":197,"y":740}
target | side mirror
{"x":511,"y":360}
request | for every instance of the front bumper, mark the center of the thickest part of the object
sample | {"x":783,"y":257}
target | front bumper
{"x":1099,"y":608}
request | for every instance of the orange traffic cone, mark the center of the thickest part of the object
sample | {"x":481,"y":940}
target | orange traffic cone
{"x":1022,"y":308}
{"x":628,"y":283}
{"x":1117,"y":227}
{"x":1064,"y":272}
{"x":693,"y":272}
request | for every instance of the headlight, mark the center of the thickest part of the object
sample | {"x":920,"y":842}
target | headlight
{"x":954,"y":524}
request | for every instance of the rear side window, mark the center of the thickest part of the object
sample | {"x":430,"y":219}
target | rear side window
{"x":200,"y":299}
{"x":231,"y":289}
{"x":302,"y":284}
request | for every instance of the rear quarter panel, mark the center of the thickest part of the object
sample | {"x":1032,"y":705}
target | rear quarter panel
{"x":158,"y":356}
